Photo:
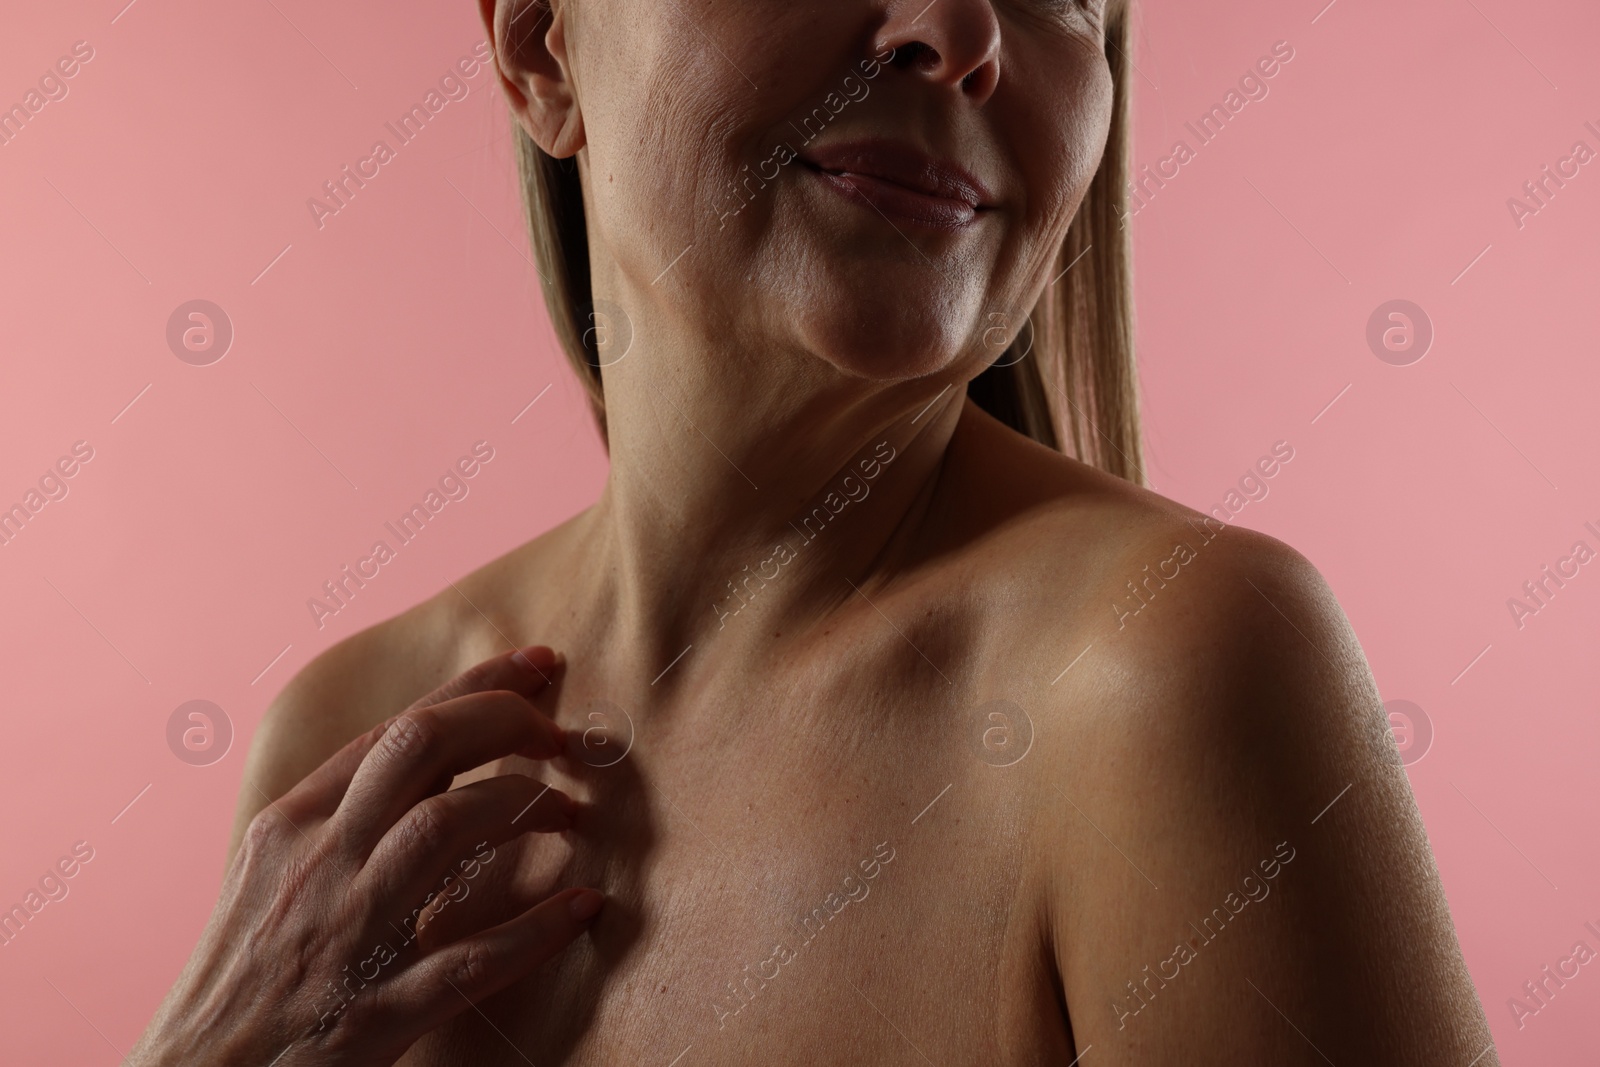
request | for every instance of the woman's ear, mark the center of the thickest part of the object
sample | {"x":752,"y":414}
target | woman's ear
{"x":530,"y":55}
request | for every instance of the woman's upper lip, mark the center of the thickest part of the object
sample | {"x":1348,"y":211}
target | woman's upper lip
{"x":903,"y":165}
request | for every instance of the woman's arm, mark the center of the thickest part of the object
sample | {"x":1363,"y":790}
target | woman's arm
{"x":1275,"y":899}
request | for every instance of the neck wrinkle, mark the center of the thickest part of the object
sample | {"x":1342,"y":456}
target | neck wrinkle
{"x":688,"y":555}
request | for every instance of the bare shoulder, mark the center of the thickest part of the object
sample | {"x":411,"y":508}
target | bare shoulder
{"x":345,"y":690}
{"x":379,"y":671}
{"x":1164,"y":624}
{"x":1077,"y":559}
{"x":1226,"y":835}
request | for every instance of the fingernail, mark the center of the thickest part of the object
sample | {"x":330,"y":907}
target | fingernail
{"x":586,"y":904}
{"x":539,"y":657}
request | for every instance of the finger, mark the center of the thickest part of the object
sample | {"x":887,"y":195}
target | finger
{"x":425,"y":746}
{"x":525,"y":671}
{"x":522,"y":670}
{"x":449,"y":980}
{"x":443,"y":834}
{"x":318,"y":794}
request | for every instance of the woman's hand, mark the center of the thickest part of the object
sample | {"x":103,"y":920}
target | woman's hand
{"x":312,"y":954}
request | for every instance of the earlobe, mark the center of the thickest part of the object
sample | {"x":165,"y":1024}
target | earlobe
{"x":531,"y":53}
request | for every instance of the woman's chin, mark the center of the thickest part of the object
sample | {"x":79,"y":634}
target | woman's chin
{"x":877,"y":347}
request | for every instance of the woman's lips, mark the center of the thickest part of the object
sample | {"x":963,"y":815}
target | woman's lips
{"x":899,"y":202}
{"x":901,"y":183}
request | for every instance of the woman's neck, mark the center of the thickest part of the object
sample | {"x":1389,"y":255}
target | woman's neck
{"x":745,"y":501}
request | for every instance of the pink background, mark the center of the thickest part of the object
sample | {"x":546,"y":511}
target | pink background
{"x":376,"y":350}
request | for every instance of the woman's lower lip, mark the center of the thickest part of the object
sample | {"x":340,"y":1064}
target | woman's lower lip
{"x":899,"y":203}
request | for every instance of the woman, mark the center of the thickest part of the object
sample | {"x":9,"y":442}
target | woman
{"x":882,"y":730}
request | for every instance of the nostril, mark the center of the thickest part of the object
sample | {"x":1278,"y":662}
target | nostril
{"x":915,"y":55}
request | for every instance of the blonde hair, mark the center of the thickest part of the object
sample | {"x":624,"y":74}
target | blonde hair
{"x":1069,"y":381}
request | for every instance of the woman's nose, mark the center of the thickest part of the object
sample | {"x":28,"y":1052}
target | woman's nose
{"x":948,"y":42}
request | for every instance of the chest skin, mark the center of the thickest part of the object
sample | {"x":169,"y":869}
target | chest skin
{"x":828,"y":866}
